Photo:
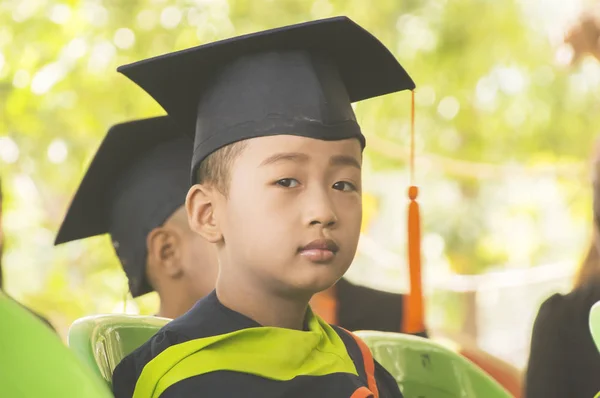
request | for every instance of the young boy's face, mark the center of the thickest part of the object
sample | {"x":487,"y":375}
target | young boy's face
{"x":292,"y":217}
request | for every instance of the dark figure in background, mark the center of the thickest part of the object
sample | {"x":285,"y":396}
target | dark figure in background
{"x":134,"y":190}
{"x":356,"y":307}
{"x":564,"y":361}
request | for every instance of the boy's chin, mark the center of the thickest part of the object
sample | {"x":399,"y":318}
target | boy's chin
{"x":312,"y":286}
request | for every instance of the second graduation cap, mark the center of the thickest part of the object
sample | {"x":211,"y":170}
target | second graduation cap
{"x":137,"y":179}
{"x":296,"y":80}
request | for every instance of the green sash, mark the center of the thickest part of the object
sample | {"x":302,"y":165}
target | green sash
{"x":269,"y":352}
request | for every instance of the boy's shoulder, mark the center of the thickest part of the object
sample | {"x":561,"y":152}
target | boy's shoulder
{"x":207,"y":318}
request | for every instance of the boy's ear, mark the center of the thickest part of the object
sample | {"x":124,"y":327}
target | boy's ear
{"x":200,"y":207}
{"x":164,"y":251}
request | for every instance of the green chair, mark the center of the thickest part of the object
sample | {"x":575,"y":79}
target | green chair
{"x":34,"y":362}
{"x":595,"y":328}
{"x":102,"y":341}
{"x":425,"y":369}
{"x":595,"y":324}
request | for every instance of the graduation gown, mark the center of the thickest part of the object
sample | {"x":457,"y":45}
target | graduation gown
{"x":334,"y":367}
{"x":564,"y":361}
{"x":362,"y":308}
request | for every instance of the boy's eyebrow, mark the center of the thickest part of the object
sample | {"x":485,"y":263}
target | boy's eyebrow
{"x":337,"y":160}
{"x":344,"y":160}
{"x":293,"y":156}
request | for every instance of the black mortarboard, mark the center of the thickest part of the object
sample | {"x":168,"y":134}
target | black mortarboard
{"x":297,"y":80}
{"x":137,"y":179}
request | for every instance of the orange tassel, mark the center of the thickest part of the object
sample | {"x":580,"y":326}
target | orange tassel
{"x":413,"y":320}
{"x":414,"y":312}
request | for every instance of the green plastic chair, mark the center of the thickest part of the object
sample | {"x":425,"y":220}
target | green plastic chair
{"x":595,"y":328}
{"x":34,"y":362}
{"x":102,"y":341}
{"x":426,"y":369}
{"x":595,"y":324}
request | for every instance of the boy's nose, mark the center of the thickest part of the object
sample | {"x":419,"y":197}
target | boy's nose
{"x":328,"y":221}
{"x":321,"y":211}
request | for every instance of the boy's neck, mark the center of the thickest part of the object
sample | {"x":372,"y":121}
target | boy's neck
{"x":175,"y":302}
{"x":262,"y":306}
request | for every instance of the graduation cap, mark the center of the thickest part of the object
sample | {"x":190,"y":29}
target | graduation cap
{"x":297,"y":80}
{"x":137,"y":179}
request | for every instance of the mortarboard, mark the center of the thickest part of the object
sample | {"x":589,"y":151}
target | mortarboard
{"x":296,"y":80}
{"x":137,"y":179}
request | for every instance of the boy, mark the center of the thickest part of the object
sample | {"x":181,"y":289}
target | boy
{"x":134,"y":190}
{"x":277,"y":180}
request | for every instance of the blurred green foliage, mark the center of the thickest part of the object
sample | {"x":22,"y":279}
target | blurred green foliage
{"x":496,"y":117}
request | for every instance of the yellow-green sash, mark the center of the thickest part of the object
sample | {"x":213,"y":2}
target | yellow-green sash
{"x":269,"y":352}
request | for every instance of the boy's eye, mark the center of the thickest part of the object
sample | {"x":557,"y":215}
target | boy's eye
{"x":344,"y":186}
{"x":288,"y":182}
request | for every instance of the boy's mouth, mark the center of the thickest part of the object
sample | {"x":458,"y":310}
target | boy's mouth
{"x":320,"y":250}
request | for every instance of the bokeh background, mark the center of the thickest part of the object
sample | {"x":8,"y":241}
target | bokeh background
{"x":505,"y":129}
